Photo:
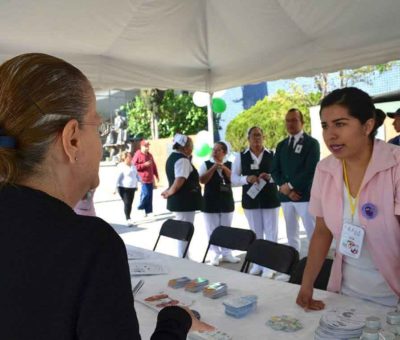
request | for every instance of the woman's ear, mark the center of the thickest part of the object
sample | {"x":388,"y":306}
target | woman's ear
{"x":369,"y":126}
{"x":70,"y":140}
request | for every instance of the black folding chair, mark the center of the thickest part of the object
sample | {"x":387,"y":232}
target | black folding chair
{"x":322,"y":279}
{"x":231,"y":238}
{"x":279,"y":257}
{"x":178,"y":230}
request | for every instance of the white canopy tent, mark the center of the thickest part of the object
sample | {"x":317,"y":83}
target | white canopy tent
{"x":202,"y":44}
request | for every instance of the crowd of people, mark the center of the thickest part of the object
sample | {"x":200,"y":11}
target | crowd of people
{"x":351,"y":197}
{"x":50,"y":151}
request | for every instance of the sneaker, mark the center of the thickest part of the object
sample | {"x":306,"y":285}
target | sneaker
{"x":215,"y":261}
{"x":129,"y":223}
{"x":267,"y":273}
{"x":230,"y":258}
{"x":255,"y":270}
{"x":281,"y":277}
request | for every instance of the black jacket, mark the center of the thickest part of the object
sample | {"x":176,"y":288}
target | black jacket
{"x":65,"y":276}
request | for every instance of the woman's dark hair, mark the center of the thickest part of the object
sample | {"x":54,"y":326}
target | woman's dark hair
{"x":124,"y":155}
{"x":249,"y":131}
{"x":380,"y":117}
{"x":358,"y":103}
{"x":223,"y":146}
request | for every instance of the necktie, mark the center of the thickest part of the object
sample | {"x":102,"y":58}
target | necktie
{"x":291,"y":142}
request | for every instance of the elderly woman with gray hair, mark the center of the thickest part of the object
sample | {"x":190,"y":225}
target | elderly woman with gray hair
{"x":184,"y":192}
{"x":67,"y":275}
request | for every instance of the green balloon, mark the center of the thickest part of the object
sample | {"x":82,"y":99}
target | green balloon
{"x":218,"y":105}
{"x":204,"y":150}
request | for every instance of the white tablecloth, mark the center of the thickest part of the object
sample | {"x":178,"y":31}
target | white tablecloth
{"x":274,"y":298}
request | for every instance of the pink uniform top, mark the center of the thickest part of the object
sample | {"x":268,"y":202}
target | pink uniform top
{"x":380,"y":188}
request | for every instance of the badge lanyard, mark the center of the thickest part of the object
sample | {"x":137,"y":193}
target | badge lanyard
{"x":221,"y":174}
{"x":352,"y":201}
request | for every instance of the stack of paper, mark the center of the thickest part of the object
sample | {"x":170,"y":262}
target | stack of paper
{"x":240,"y":307}
{"x":178,"y":282}
{"x":213,"y":335}
{"x":343,"y":323}
{"x":164,"y":299}
{"x":196,"y":285}
{"x":215,"y":290}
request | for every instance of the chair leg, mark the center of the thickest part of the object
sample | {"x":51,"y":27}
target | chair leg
{"x":245,"y":267}
{"x":155,"y":246}
{"x":186,"y":250}
{"x":205,"y":255}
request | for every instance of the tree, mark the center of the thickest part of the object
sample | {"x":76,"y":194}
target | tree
{"x":269,"y":114}
{"x":167,"y":112}
{"x":326,"y":82}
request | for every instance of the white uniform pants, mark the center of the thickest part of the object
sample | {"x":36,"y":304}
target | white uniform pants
{"x":264,"y":222}
{"x":214,"y":220}
{"x":292,"y":211}
{"x":186,"y":216}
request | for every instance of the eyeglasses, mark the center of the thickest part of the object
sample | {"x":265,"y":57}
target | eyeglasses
{"x":101,"y":127}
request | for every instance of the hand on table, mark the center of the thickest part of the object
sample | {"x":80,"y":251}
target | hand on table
{"x":198,"y":325}
{"x":305,"y":300}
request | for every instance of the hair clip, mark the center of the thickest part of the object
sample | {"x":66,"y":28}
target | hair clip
{"x":7,"y":141}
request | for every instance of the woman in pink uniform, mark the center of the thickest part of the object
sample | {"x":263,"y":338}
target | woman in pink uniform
{"x":356,"y":200}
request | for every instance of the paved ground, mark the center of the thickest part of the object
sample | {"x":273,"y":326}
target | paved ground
{"x":144,"y":234}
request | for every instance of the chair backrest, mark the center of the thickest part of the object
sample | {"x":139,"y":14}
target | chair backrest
{"x":279,"y":257}
{"x":179,"y":230}
{"x":322,"y":279}
{"x":231,"y":238}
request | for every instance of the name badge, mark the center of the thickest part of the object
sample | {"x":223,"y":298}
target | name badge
{"x":298,"y":148}
{"x":351,"y":240}
{"x":225,"y":187}
{"x":256,"y":188}
{"x":254,"y":166}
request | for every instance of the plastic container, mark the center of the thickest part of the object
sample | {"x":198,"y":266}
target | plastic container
{"x":386,"y":335}
{"x":393,"y":322}
{"x":373,"y":322}
{"x":240,"y":307}
{"x":370,"y":334}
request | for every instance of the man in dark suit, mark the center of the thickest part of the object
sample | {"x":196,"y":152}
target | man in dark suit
{"x":293,"y":170}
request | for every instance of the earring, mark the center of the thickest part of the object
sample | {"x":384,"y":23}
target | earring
{"x":76,"y":158}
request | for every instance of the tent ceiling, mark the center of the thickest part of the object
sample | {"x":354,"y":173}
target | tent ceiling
{"x":202,"y":44}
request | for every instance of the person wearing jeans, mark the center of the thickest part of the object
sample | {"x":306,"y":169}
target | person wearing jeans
{"x":146,"y":167}
{"x":126,"y":184}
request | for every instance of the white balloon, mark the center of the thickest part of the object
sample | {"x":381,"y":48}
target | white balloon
{"x":202,"y":137}
{"x":201,"y":98}
{"x":219,"y":94}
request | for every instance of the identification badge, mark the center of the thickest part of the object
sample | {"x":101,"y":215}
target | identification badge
{"x":254,"y":166}
{"x":298,"y":148}
{"x":224,"y":187}
{"x":351,"y":240}
{"x":256,"y":188}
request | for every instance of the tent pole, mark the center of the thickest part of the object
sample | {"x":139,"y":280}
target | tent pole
{"x":210,"y":119}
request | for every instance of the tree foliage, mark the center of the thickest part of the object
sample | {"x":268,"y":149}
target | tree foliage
{"x":326,"y":82}
{"x":173,"y":112}
{"x":269,"y":114}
